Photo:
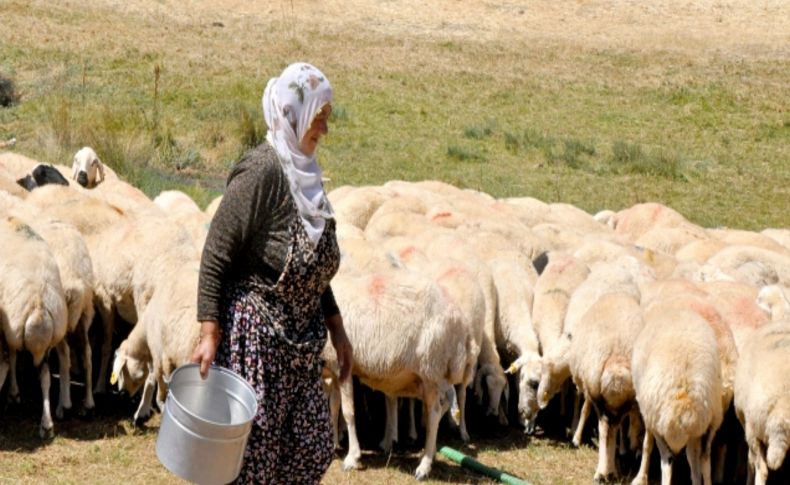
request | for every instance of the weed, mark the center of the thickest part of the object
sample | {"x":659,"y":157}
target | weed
{"x":464,"y":154}
{"x":8,"y":93}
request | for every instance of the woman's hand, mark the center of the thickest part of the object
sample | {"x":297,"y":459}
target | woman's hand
{"x":207,"y":345}
{"x":337,"y":334}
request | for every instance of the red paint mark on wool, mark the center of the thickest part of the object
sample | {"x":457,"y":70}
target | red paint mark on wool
{"x":441,"y":215}
{"x":406,"y":253}
{"x":451,"y":272}
{"x":376,"y":287}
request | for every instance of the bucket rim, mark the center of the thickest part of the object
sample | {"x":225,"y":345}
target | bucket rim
{"x":221,"y":370}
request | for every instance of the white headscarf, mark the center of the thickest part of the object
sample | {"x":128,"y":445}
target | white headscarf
{"x":294,"y":99}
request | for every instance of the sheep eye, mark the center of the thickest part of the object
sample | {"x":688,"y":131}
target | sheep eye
{"x":533,"y":384}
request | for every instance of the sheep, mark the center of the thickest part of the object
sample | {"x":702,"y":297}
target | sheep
{"x":750,"y":264}
{"x":396,"y":224}
{"x":356,"y":207}
{"x":88,"y":214}
{"x":76,"y":273}
{"x":667,"y":240}
{"x":552,"y":293}
{"x":166,"y":338}
{"x":8,"y":185}
{"x":739,"y":305}
{"x":516,"y":339}
{"x":622,"y":275}
{"x":773,"y":299}
{"x":782,"y":236}
{"x":531,"y":211}
{"x":88,"y":170}
{"x":699,"y":251}
{"x":605,"y":217}
{"x":414,"y":357}
{"x":735,"y":237}
{"x":441,"y":243}
{"x":129,"y":261}
{"x":179,"y":207}
{"x":762,"y":398}
{"x":676,"y":374}
{"x":42,"y":175}
{"x":571,"y":216}
{"x":599,"y":358}
{"x":33,"y":312}
{"x":638,"y":219}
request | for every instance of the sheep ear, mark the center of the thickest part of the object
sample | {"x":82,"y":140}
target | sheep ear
{"x":75,"y":169}
{"x":516,"y":365}
{"x":117,"y":369}
{"x":99,"y":165}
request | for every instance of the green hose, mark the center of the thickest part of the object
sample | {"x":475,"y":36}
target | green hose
{"x":475,"y":465}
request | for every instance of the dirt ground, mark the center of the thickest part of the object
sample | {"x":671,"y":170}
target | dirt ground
{"x":753,"y":28}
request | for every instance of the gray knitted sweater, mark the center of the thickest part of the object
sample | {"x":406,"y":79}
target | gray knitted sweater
{"x":250,"y":231}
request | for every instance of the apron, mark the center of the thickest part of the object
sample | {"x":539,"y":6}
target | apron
{"x":273,"y":336}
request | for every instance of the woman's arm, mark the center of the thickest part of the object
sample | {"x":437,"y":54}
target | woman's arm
{"x":237,"y":217}
{"x":337,"y":335}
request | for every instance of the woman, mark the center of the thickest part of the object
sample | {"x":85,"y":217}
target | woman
{"x":264,"y":301}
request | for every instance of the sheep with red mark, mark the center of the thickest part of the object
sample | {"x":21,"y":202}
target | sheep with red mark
{"x":420,"y":356}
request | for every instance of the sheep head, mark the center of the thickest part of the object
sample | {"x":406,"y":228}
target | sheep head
{"x":529,"y":371}
{"x":128,"y":372}
{"x":87,"y":169}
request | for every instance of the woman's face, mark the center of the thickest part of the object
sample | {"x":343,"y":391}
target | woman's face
{"x":317,"y":129}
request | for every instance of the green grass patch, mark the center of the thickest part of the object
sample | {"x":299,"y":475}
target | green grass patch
{"x":464,"y":154}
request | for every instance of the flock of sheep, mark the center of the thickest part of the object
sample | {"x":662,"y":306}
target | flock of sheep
{"x":661,"y":324}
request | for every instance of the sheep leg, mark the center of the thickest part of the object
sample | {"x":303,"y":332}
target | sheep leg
{"x":607,"y":437}
{"x":144,"y":409}
{"x":578,"y":402}
{"x":46,"y":429}
{"x":351,"y":461}
{"x":644,"y":465}
{"x":108,"y":324}
{"x":13,"y":391}
{"x":634,"y":429}
{"x":667,"y":457}
{"x":391,"y":427}
{"x":87,"y":362}
{"x":64,"y":368}
{"x":460,"y":395}
{"x":585,"y":413}
{"x":412,"y":421}
{"x":694,"y":457}
{"x":433,"y":407}
{"x":756,"y":457}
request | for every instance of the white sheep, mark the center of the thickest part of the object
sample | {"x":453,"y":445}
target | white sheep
{"x":762,"y":398}
{"x":621,"y":275}
{"x":129,"y":261}
{"x":33,"y":310}
{"x":358,"y":206}
{"x":179,"y":207}
{"x":516,"y":339}
{"x":599,"y":358}
{"x":677,"y":378}
{"x":640,"y":218}
{"x":88,"y":170}
{"x":750,"y":264}
{"x":419,"y":356}
{"x":738,"y":237}
{"x":530,"y":211}
{"x":166,"y":339}
{"x":76,"y":274}
{"x":782,"y":236}
{"x":773,"y":299}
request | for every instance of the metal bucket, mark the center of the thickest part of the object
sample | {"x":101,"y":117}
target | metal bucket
{"x":205,"y":424}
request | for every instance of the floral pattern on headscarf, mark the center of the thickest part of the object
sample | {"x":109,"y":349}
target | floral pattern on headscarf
{"x":290,"y":103}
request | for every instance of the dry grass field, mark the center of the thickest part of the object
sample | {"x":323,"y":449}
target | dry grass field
{"x":597,"y":103}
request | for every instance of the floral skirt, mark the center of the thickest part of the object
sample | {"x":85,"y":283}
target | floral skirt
{"x":291,"y":437}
